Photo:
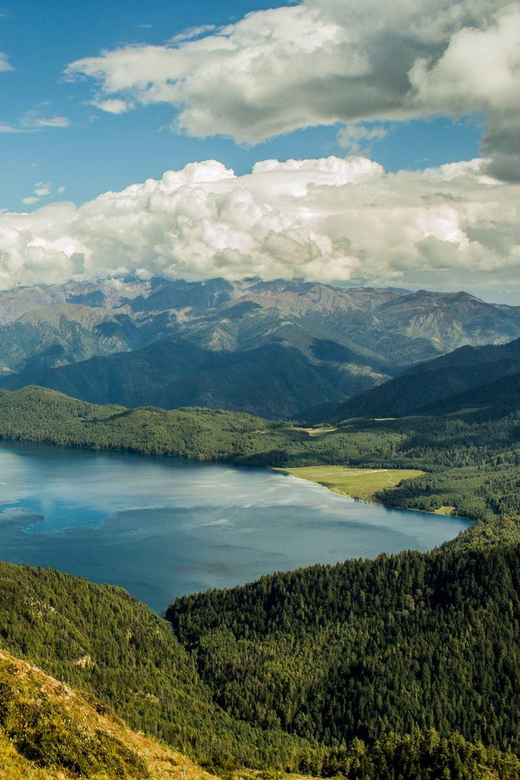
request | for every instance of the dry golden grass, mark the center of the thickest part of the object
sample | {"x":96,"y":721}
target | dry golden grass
{"x":319,"y":430}
{"x":34,"y":686}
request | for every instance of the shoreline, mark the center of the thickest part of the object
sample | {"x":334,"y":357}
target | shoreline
{"x":369,"y":499}
{"x":84,"y":447}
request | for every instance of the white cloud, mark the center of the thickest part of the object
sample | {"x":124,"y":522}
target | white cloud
{"x":5,"y":65}
{"x":52,"y":121}
{"x":356,"y":137}
{"x":193,"y":32}
{"x":324,"y":220}
{"x":42,"y":189}
{"x":35,"y":120}
{"x":327,"y":62}
{"x":478,"y":71}
{"x":114,"y":106}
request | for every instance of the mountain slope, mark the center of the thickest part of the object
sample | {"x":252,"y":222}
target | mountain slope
{"x":273,"y":380}
{"x":48,"y":730}
{"x":467,"y":377}
{"x":344,"y":340}
{"x":493,"y":399}
{"x":58,"y":335}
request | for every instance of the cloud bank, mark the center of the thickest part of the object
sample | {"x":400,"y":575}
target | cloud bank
{"x":326,"y":220}
{"x":323,"y":62}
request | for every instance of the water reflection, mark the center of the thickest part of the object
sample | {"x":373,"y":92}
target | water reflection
{"x":161,"y":528}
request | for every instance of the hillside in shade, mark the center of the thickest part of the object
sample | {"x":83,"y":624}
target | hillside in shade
{"x":476,"y":379}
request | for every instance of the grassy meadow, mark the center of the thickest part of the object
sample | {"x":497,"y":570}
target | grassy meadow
{"x":355,"y":483}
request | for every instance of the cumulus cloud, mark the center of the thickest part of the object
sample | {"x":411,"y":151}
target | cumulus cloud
{"x":327,"y":62}
{"x":325,"y":220}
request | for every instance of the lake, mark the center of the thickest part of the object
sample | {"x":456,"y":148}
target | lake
{"x":162,"y":527}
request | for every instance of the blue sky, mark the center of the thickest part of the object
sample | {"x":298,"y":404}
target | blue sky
{"x":382,"y":104}
{"x":100,"y":151}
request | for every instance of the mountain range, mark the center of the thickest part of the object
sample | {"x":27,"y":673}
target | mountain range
{"x":268,"y":348}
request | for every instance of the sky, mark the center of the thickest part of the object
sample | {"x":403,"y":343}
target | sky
{"x":368,"y":143}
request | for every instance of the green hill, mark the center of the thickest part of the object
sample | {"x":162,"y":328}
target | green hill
{"x":366,"y":648}
{"x":471,"y":464}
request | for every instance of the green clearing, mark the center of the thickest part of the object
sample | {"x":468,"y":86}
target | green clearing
{"x":356,"y":483}
{"x":317,"y":430}
{"x":445,"y":510}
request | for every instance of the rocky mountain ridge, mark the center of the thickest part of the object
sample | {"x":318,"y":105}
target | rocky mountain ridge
{"x":270,"y":348}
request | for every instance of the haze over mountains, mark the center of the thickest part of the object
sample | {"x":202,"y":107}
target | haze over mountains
{"x":270,"y":348}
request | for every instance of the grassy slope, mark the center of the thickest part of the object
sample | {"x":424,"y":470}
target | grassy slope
{"x":106,"y":643}
{"x":48,"y":730}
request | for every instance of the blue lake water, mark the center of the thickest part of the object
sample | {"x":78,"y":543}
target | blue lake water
{"x":161,"y":527}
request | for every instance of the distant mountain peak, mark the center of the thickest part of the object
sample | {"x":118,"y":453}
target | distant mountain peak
{"x":98,"y":339}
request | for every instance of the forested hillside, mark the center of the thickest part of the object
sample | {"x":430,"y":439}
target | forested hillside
{"x":471,"y":464}
{"x":366,"y":648}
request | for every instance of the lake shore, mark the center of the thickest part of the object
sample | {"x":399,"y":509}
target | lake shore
{"x":356,"y":483}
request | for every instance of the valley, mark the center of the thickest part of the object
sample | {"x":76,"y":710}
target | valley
{"x":163,"y":527}
{"x":260,"y":390}
{"x":305,"y":632}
